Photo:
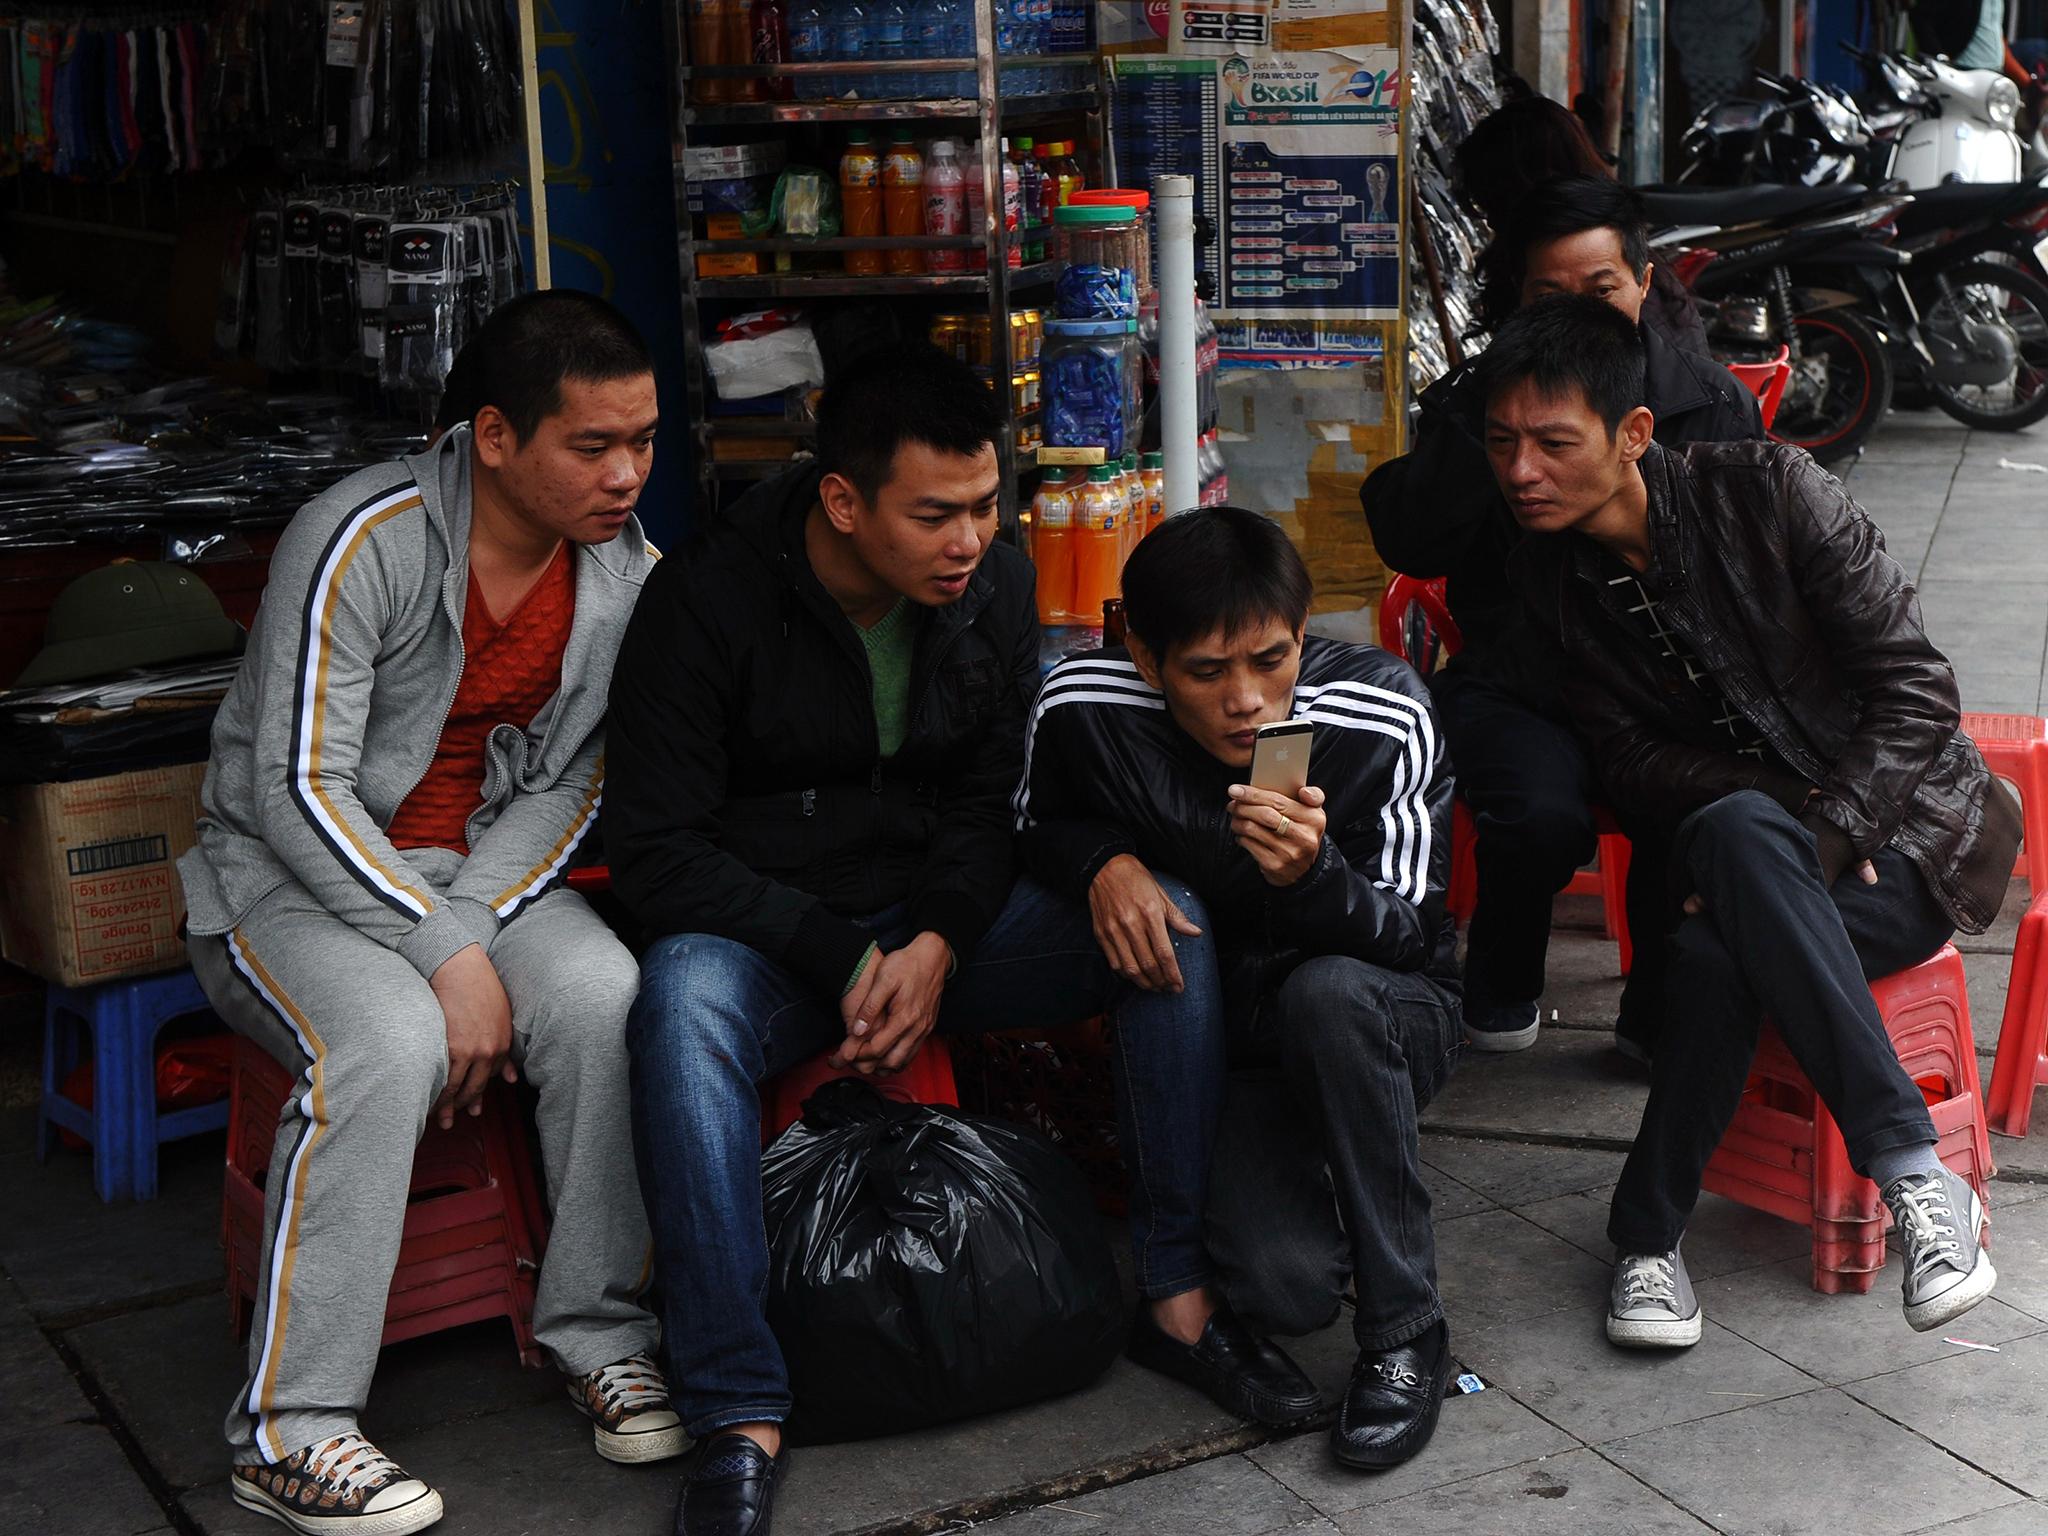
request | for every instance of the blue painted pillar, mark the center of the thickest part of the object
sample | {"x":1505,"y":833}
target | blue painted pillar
{"x":604,"y":96}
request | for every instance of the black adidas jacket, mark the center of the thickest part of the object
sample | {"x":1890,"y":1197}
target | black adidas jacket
{"x":746,"y":796}
{"x":1107,"y":772}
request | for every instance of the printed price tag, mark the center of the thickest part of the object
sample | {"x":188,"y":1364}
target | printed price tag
{"x":344,"y":33}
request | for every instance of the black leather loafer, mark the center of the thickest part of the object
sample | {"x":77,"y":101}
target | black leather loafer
{"x":729,"y":1489}
{"x":1250,"y":1376}
{"x":1390,"y":1408}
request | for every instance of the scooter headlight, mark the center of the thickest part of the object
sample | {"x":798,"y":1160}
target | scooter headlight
{"x":2002,"y":103}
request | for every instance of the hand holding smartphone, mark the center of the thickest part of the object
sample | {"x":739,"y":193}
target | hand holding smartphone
{"x":1280,"y":757}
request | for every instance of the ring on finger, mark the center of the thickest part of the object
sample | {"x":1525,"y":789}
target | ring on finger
{"x":1281,"y":830}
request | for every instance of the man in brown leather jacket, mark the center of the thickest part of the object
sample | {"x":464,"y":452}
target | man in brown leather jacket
{"x":1748,"y":667}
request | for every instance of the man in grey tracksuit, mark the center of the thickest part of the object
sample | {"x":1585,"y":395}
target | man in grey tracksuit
{"x":400,"y":979}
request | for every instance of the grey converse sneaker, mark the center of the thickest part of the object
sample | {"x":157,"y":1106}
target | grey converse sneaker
{"x":628,"y":1402}
{"x":1941,"y":1228}
{"x":1652,"y":1305}
{"x":344,"y":1485}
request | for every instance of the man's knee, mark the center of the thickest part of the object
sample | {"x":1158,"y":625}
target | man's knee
{"x":402,"y":1059}
{"x":1699,"y":958}
{"x":1332,"y":999}
{"x":1738,"y":820}
{"x":1287,"y":1292}
{"x":1183,"y":896}
{"x":689,"y":996}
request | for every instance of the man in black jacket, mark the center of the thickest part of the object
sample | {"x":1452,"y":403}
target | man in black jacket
{"x":1436,"y":512}
{"x":815,"y":729}
{"x":1749,"y":669}
{"x":1306,"y":928}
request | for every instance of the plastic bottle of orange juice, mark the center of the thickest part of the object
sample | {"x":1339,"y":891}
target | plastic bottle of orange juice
{"x":860,"y":200}
{"x":1134,"y":503}
{"x":903,"y":200}
{"x":1153,"y":473}
{"x":1053,"y":541}
{"x":1098,"y":557}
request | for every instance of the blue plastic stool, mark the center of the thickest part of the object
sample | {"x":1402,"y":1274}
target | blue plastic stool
{"x":122,"y":1019}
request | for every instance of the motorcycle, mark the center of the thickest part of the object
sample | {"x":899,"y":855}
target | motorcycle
{"x":1763,"y":261}
{"x":1964,"y":311}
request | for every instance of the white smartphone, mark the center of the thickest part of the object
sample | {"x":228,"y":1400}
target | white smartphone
{"x":1280,"y":757}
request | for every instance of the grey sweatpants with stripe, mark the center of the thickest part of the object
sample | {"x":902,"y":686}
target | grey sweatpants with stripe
{"x":366,"y":1033}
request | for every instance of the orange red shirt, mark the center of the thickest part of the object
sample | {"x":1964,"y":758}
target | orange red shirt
{"x":511,"y":668}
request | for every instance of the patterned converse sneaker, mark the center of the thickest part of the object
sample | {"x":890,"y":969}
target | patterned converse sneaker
{"x":1652,"y":1305}
{"x":1941,"y":1228}
{"x":343,"y":1485}
{"x":628,"y":1402}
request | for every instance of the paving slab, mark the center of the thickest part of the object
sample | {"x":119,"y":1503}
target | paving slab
{"x":1495,"y":1268}
{"x":1571,"y":1082}
{"x":1478,"y":1433}
{"x":1846,"y":1338}
{"x":1818,"y":1462}
{"x":1722,"y":1238}
{"x":1563,"y":1368}
{"x":68,"y":1252}
{"x":72,"y":1480}
{"x":1520,"y":1173}
{"x":171,"y":1372}
{"x":1449,"y":1198}
{"x":1576,"y":1494}
{"x":1982,"y":1407}
{"x":2025,"y":1519}
{"x":1231,"y":1496}
{"x":39,"y":1388}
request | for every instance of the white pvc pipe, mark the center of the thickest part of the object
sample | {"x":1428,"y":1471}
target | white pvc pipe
{"x":1173,"y":204}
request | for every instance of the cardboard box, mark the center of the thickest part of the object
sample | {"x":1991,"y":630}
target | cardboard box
{"x":91,"y":892}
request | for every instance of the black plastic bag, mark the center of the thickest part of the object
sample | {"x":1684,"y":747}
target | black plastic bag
{"x":926,"y":1265}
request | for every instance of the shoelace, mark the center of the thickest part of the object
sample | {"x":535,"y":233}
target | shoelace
{"x":1928,"y":1241}
{"x":349,"y":1462}
{"x":630,"y":1386}
{"x":1650,"y":1277}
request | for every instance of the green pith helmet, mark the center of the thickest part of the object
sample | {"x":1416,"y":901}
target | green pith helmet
{"x":135,"y":613}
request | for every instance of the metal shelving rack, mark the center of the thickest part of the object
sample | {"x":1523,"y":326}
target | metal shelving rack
{"x":993,"y":117}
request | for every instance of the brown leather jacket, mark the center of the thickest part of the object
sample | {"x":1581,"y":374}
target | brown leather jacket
{"x":1782,"y":587}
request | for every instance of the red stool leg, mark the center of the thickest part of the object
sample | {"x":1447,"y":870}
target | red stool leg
{"x":1463,"y":896}
{"x":2022,"y":1060}
{"x":1614,"y":860}
{"x":1848,"y":1217}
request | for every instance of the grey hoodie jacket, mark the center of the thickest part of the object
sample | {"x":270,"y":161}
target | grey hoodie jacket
{"x":350,"y":673}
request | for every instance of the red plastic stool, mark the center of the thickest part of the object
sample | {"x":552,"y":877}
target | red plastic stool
{"x":2022,"y":1062}
{"x":1783,"y":1153}
{"x":1415,"y":619}
{"x":927,"y":1080}
{"x":1767,"y":382}
{"x":475,"y":1223}
{"x":2015,"y":747}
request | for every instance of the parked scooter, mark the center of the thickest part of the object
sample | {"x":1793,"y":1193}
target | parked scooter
{"x":1932,"y":123}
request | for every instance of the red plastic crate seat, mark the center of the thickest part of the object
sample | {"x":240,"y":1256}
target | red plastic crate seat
{"x":475,"y":1223}
{"x":1415,"y":618}
{"x":927,"y":1080}
{"x":2022,"y":1062}
{"x":1784,"y":1154}
{"x":2015,"y":747}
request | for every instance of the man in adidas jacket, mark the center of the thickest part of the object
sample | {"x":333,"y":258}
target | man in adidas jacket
{"x":407,"y":762}
{"x":1310,"y":930}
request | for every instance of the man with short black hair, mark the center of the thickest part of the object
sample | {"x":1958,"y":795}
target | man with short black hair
{"x":817,"y":722}
{"x":1437,"y":512}
{"x":1306,"y":932}
{"x":406,"y":763}
{"x":1748,"y":667}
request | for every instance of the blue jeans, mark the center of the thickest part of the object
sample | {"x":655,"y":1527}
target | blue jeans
{"x":716,"y":1018}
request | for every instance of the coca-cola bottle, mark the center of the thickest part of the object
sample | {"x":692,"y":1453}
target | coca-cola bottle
{"x":768,"y":27}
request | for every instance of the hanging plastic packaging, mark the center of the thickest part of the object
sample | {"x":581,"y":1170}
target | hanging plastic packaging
{"x":422,"y":309}
{"x":927,"y":1265}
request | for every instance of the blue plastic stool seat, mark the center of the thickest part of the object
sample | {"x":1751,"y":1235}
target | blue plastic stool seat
{"x":122,"y":1020}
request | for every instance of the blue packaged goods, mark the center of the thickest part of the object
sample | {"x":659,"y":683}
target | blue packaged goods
{"x":1088,"y":385}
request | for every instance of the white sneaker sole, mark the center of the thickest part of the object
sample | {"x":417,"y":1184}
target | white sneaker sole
{"x":1957,"y":1299}
{"x":1630,"y":1333}
{"x":650,"y":1445}
{"x":1501,"y":1041}
{"x":416,"y":1516}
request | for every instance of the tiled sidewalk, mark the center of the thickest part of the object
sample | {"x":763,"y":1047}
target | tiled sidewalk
{"x":1798,"y":1413}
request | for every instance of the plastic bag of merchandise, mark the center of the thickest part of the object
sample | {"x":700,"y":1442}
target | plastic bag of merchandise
{"x":804,"y":204}
{"x":764,"y":352}
{"x":926,"y":1264}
